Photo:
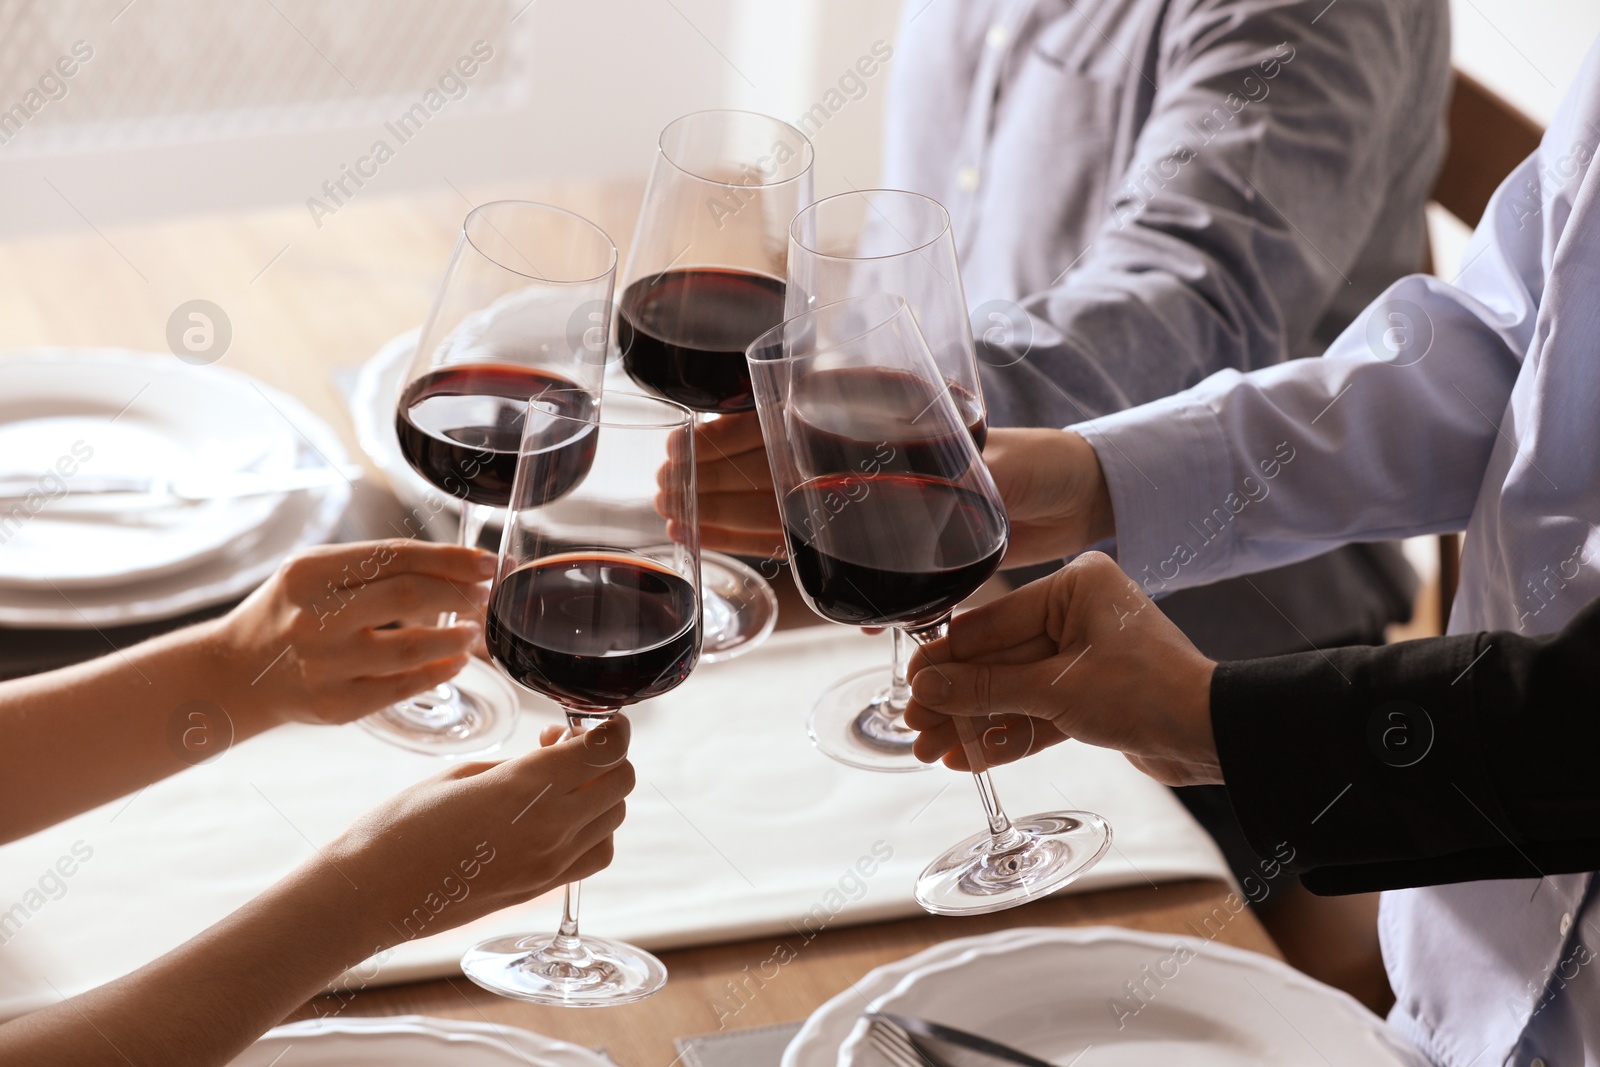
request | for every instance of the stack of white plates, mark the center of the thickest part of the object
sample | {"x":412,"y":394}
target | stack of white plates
{"x":1099,"y":996}
{"x":74,"y":415}
{"x":411,"y":1041}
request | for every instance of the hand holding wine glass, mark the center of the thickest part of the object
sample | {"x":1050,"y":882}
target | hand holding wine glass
{"x":1082,"y":653}
{"x":511,"y":322}
{"x":910,"y":528}
{"x":597,"y":607}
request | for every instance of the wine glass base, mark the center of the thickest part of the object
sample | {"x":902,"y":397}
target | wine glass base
{"x":614,"y":972}
{"x":739,"y":609}
{"x":972,"y":878}
{"x":472,"y":714}
{"x":851,"y":723}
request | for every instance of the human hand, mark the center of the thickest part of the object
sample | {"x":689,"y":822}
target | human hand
{"x":316,"y":629}
{"x":1055,"y":495}
{"x":738,"y":507}
{"x":479,"y":837}
{"x":1081,"y":653}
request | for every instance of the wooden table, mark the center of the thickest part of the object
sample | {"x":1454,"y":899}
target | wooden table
{"x":304,"y":301}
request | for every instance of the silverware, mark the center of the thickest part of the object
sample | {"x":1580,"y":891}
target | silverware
{"x":87,"y":495}
{"x":913,"y":1042}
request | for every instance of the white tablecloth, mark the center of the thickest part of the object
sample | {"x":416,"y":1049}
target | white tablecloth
{"x":738,"y":828}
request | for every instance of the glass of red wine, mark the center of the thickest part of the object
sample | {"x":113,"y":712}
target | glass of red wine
{"x":891,"y":519}
{"x":705,"y":276}
{"x":522,"y":315}
{"x":856,"y":244}
{"x":596,"y":605}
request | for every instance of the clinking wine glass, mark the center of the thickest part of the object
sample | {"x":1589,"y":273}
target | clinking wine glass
{"x":522,"y":313}
{"x":705,"y":275}
{"x":596,"y":605}
{"x":893,"y":524}
{"x":857,"y":244}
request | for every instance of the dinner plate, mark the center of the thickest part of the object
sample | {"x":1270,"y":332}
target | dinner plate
{"x":69,"y":415}
{"x":297,"y":521}
{"x":411,"y":1041}
{"x":1130,"y":997}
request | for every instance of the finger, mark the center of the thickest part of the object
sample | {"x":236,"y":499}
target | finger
{"x":977,"y":689}
{"x":728,"y":435}
{"x":392,"y":651}
{"x":763,"y":545}
{"x":606,"y":791}
{"x":409,"y":597}
{"x":550,"y":735}
{"x":369,"y":560}
{"x":596,"y":859}
{"x":749,"y":472}
{"x":573,"y":762}
{"x":1016,"y":618}
{"x":1006,"y":743}
{"x":750,"y":511}
{"x":371,"y":693}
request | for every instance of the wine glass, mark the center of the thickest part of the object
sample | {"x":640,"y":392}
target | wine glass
{"x":596,"y":605}
{"x":705,"y":275}
{"x":522,"y":312}
{"x":856,"y":244}
{"x":891,"y":519}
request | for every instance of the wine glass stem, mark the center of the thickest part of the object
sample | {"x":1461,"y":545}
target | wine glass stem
{"x":899,"y":680}
{"x":468,"y":530}
{"x":566,"y":946}
{"x":1005,"y":835}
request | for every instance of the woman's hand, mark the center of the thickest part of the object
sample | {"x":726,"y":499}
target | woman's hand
{"x":483,"y":836}
{"x":317,"y":637}
{"x":1082,"y":653}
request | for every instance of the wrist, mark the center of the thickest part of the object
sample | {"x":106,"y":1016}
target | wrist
{"x":1199,"y":741}
{"x":222,"y":664}
{"x":1099,"y":517}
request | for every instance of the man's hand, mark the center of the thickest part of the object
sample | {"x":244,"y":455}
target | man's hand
{"x":1050,"y":481}
{"x":1082,"y":653}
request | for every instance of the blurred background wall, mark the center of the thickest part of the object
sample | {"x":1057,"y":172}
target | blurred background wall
{"x":197,"y":106}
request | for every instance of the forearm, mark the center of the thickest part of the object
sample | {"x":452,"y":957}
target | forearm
{"x":1428,"y":760}
{"x":74,"y":738}
{"x":205,"y":1001}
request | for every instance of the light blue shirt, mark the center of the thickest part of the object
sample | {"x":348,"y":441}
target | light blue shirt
{"x":1474,"y":405}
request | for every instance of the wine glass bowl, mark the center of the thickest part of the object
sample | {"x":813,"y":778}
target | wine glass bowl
{"x":891,"y":519}
{"x":520,"y":316}
{"x":595,"y":605}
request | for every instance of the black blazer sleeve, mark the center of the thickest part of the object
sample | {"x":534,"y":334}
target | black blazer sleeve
{"x":1441,"y":760}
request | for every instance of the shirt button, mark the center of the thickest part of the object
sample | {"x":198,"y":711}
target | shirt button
{"x":1566,"y":923}
{"x":967,"y":179}
{"x":996,"y":37}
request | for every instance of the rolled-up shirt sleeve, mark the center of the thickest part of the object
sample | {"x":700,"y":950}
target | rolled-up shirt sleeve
{"x":1385,"y":436}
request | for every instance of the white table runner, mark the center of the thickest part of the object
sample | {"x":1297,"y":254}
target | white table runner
{"x":738,"y":828}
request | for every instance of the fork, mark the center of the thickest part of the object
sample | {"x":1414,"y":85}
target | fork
{"x":896,"y":1047}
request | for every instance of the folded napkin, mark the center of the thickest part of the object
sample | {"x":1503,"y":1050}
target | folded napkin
{"x":737,"y":829}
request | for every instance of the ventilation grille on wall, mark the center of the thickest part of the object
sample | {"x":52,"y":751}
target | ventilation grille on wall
{"x":164,"y":70}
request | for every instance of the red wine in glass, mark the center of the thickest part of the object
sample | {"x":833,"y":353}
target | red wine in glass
{"x":871,"y":419}
{"x":595,"y":629}
{"x":890,"y":549}
{"x":461,"y":427}
{"x":683,"y":333}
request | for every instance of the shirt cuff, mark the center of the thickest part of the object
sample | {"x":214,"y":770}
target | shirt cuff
{"x":1170,"y":476}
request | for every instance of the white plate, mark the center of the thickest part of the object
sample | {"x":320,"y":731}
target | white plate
{"x":411,"y":1041}
{"x":299,"y":521}
{"x":70,"y":413}
{"x":1057,"y":992}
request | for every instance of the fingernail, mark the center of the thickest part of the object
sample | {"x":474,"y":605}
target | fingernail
{"x":930,"y":687}
{"x":486,"y":564}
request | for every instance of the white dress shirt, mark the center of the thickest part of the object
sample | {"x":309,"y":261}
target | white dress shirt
{"x":1474,"y":405}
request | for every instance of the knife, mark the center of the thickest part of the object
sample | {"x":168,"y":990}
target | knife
{"x":935,"y":1041}
{"x":116,"y":493}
